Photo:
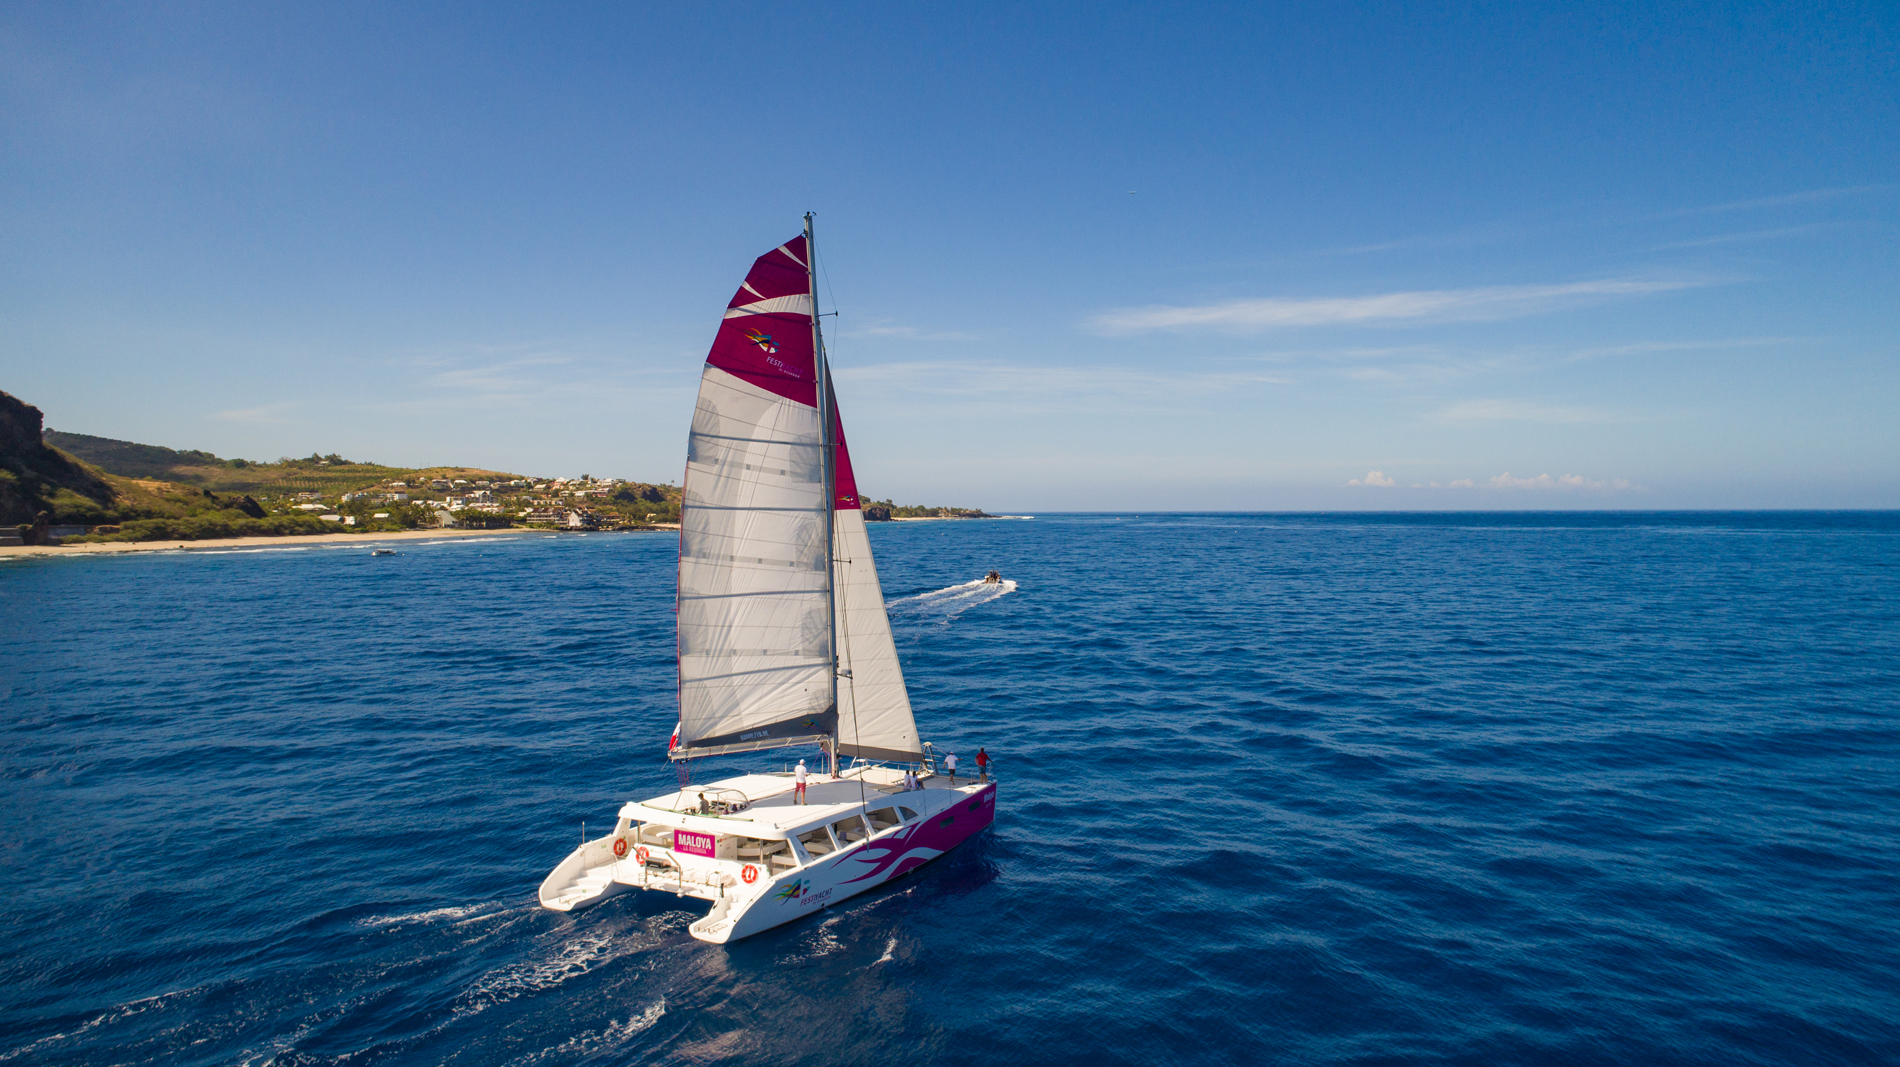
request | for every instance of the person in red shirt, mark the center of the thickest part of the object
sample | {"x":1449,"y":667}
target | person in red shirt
{"x":982,"y":765}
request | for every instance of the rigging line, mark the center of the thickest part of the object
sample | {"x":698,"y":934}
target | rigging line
{"x":825,"y":273}
{"x":843,"y":611}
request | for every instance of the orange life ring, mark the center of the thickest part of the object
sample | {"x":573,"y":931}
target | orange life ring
{"x":620,"y":847}
{"x":641,"y":855}
{"x":750,"y":874}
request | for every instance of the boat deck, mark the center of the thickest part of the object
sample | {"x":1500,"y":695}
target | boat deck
{"x":771,"y":798}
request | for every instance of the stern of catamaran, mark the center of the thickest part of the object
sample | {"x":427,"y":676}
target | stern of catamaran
{"x":760,"y":859}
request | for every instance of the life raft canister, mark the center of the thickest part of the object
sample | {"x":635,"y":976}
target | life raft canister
{"x":641,"y":855}
{"x":620,"y":847}
{"x":750,"y":874}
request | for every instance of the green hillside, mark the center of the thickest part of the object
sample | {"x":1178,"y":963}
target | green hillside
{"x":136,"y":492}
{"x":315,"y":474}
{"x":128,"y":458}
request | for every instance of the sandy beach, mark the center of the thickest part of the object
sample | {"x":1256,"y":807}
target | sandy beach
{"x":364,"y":539}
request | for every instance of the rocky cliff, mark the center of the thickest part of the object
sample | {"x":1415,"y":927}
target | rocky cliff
{"x":35,"y":478}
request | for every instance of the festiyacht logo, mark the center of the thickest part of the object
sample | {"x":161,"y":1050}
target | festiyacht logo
{"x":763,"y":340}
{"x":794,"y":890}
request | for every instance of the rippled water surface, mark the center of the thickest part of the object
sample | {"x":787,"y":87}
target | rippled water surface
{"x":1562,"y":789}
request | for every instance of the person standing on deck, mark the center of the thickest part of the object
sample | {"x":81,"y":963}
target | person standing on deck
{"x":982,"y":765}
{"x":798,"y":777}
{"x":950,"y":764}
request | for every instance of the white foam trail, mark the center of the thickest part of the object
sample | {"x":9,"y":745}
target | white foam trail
{"x":822,"y":942}
{"x":570,"y":959}
{"x":594,"y":1042}
{"x":110,"y":1015}
{"x":421,"y":916}
{"x":947,"y":603}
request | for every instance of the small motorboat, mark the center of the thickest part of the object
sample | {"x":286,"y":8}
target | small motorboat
{"x":383,"y":552}
{"x":993,"y":578}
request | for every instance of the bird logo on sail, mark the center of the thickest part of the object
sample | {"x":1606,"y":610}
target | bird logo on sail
{"x":763,"y":340}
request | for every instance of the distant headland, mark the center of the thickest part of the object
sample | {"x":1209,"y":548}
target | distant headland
{"x":58,"y":487}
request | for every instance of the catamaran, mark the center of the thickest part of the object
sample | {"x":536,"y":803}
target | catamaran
{"x":783,"y":641}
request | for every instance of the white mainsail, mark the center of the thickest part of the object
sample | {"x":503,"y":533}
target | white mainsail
{"x":757,"y":616}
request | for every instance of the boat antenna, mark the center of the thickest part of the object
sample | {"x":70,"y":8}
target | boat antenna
{"x":827,"y":463}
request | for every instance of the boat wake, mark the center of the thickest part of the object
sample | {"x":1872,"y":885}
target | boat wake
{"x":948,"y":603}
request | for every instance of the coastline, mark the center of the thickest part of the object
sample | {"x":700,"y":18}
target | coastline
{"x":366,"y":539}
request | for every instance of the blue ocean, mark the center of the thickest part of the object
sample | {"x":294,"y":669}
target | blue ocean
{"x":1275,"y":789}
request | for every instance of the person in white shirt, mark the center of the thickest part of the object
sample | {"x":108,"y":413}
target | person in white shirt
{"x":798,"y":776}
{"x":911,"y":782}
{"x":950,"y":764}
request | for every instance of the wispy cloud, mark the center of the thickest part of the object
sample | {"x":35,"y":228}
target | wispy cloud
{"x":1518,"y":411}
{"x":263,"y":415}
{"x":1507,"y":480}
{"x":1751,"y":235}
{"x":1442,"y":305}
{"x":1645,"y":347}
{"x":527,"y":378}
{"x":1375,"y":479}
{"x":1782,"y":200}
{"x":1545,"y":481}
{"x":1002,"y":386}
{"x":897,"y":332}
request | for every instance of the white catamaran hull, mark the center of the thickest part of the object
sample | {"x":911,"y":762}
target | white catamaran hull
{"x":930,"y":822}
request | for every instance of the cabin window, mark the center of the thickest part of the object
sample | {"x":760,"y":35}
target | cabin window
{"x":773,"y":853}
{"x":883,"y":819}
{"x":817,"y":842}
{"x":850,"y":831}
{"x":909,"y":815}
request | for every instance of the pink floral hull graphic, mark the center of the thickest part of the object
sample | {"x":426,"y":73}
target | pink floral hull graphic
{"x":921,"y":842}
{"x":864,"y":867}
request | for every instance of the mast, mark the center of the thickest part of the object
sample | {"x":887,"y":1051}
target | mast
{"x":827,"y":464}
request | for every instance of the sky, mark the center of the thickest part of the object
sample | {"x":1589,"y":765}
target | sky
{"x":1083,"y":257}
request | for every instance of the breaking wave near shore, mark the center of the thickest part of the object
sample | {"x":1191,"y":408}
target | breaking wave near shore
{"x":948,"y":603}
